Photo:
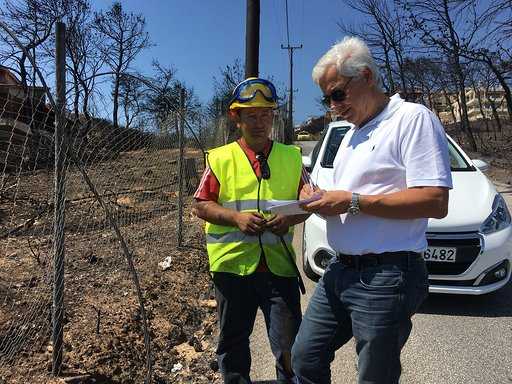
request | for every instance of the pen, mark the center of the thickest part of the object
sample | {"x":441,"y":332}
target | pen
{"x":310,"y":181}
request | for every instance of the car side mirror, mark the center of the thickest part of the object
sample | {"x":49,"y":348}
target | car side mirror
{"x":481,"y":165}
{"x":306,"y":162}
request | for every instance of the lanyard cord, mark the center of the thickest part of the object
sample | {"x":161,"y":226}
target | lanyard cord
{"x":259,"y":211}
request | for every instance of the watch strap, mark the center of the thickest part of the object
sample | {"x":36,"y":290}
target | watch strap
{"x":354,"y":208}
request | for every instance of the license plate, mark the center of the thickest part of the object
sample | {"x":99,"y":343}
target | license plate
{"x":440,"y":254}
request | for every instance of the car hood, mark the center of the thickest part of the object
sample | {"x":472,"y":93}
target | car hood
{"x":470,"y":203}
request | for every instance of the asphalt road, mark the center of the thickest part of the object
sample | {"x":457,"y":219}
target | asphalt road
{"x":455,"y":339}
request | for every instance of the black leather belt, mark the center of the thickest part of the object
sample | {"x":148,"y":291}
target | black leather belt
{"x":371,"y":259}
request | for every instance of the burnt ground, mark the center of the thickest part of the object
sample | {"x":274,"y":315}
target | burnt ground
{"x":103,"y":337}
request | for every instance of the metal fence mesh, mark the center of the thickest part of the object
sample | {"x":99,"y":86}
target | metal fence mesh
{"x":122,"y":188}
{"x":136,"y":174}
{"x":26,"y":223}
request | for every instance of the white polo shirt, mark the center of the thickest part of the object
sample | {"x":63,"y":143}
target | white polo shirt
{"x":404,"y":146}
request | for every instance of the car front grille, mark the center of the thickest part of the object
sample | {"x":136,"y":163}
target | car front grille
{"x":468,"y":248}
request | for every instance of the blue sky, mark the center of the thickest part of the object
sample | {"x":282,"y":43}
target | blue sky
{"x":199,"y":37}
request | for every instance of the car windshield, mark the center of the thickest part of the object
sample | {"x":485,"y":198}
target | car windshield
{"x":457,"y":161}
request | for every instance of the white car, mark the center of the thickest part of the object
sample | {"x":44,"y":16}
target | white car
{"x":469,"y":251}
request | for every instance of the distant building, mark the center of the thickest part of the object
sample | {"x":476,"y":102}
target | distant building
{"x":479,"y":103}
{"x":314,"y":126}
{"x":23,"y":115}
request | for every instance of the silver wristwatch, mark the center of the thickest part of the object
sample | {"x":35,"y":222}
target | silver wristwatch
{"x":353,"y":208}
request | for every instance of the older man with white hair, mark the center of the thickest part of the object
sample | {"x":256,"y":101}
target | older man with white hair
{"x":391,"y":174}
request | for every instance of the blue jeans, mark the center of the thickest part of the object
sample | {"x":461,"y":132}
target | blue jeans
{"x":373,"y":304}
{"x":238,"y":299}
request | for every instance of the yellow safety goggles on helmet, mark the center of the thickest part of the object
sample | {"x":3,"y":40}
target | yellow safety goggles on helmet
{"x":254,"y":92}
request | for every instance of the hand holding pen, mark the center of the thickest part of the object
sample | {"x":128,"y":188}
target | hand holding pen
{"x":309,"y":189}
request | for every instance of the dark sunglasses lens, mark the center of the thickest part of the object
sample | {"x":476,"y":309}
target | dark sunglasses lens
{"x":338,"y":95}
{"x":265,"y":170}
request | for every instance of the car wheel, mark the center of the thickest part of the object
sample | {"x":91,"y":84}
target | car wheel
{"x":308,"y":271}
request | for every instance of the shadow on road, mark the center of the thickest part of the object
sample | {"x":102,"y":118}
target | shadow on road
{"x":266,"y":382}
{"x":496,"y":304}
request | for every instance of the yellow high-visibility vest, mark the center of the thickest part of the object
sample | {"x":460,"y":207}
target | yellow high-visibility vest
{"x":229,"y":249}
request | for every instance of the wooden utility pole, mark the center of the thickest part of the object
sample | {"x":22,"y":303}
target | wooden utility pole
{"x":252,"y":38}
{"x":288,"y":132}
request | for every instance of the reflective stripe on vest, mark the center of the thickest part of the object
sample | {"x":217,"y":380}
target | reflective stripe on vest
{"x":233,"y":237}
{"x":252,"y":205}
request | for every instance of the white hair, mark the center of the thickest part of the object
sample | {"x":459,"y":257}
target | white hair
{"x":350,"y":56}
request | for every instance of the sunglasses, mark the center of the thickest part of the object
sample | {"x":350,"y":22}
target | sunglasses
{"x":265,"y":169}
{"x":337,"y":95}
{"x":247,"y":90}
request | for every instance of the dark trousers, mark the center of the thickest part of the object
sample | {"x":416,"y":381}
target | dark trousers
{"x":238,"y":299}
{"x":374,"y":304}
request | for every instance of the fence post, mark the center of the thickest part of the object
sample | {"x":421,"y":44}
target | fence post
{"x":59,"y":199}
{"x":181,"y":141}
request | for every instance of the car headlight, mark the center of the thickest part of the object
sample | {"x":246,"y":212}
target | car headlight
{"x":499,"y":217}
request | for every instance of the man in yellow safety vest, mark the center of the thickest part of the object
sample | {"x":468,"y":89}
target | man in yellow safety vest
{"x":250,"y":252}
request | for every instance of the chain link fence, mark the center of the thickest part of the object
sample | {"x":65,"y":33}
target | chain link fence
{"x":136,"y":303}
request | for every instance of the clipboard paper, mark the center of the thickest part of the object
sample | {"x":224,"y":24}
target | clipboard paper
{"x":292,"y":207}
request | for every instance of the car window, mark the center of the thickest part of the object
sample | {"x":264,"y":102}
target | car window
{"x":316,"y":149}
{"x":457,"y":161}
{"x":332,"y":145}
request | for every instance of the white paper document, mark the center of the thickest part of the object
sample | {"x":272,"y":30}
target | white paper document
{"x":292,"y":207}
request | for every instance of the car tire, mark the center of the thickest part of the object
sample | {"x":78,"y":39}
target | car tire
{"x":308,"y":271}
